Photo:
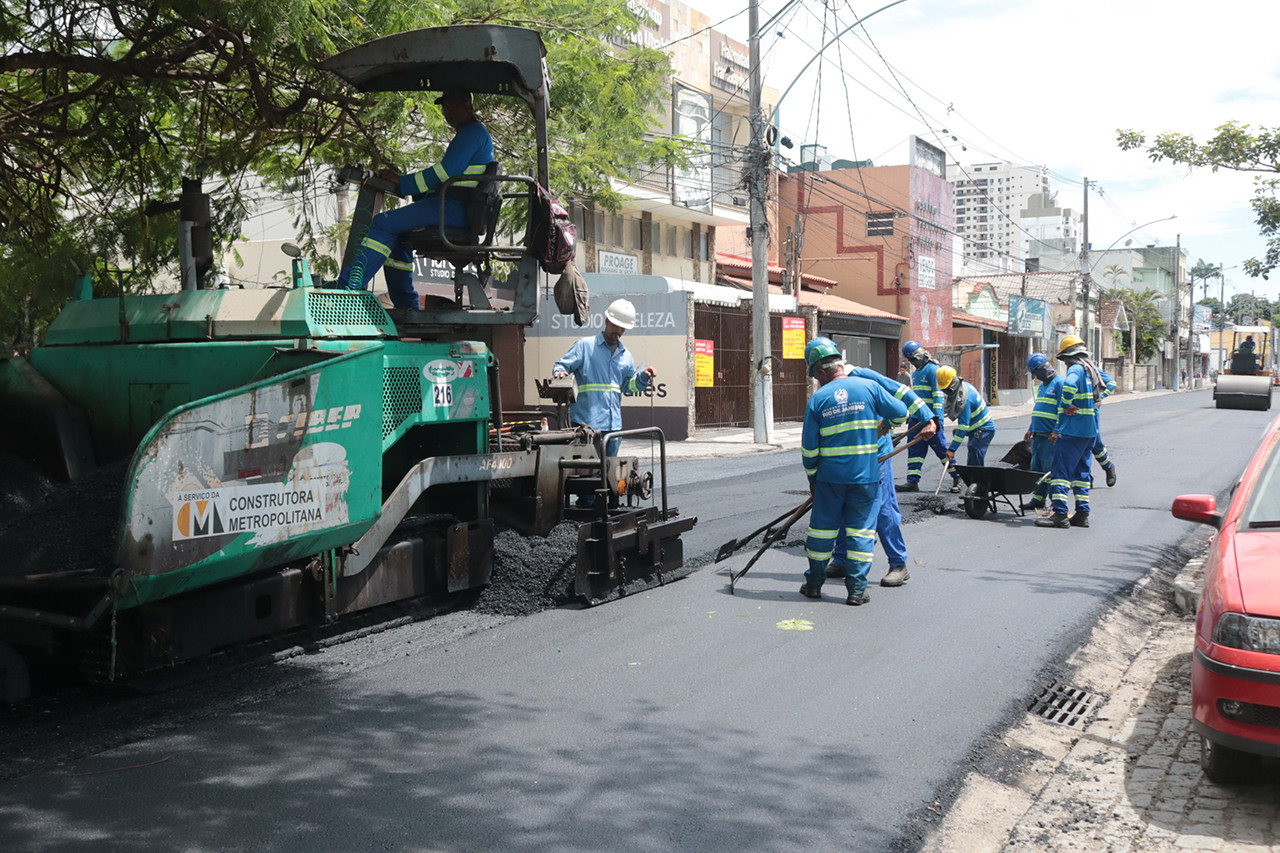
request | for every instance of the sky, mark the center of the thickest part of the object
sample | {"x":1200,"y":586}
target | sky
{"x":1042,"y":83}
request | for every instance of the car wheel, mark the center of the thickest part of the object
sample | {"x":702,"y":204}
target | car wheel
{"x":1222,"y":764}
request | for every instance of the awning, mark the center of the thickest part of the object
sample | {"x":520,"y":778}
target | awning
{"x":960,"y":318}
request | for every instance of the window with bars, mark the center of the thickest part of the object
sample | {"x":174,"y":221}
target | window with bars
{"x":879,"y":224}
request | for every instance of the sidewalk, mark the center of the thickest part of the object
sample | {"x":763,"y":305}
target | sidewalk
{"x":1128,"y":780}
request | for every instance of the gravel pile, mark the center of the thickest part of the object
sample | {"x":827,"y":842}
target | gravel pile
{"x":59,"y":527}
{"x":531,"y":573}
{"x":22,"y":486}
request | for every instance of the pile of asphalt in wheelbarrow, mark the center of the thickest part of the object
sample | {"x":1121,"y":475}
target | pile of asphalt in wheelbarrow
{"x":48,"y":527}
{"x":531,"y":573}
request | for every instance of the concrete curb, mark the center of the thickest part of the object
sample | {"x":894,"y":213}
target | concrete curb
{"x":1187,"y":586}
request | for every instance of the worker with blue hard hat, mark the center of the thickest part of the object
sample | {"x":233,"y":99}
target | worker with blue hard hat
{"x":1044,"y":417}
{"x":924,"y":382}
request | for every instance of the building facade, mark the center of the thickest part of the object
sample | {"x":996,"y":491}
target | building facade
{"x":884,"y":236}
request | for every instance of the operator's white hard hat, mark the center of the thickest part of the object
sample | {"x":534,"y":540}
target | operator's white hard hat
{"x":621,"y":313}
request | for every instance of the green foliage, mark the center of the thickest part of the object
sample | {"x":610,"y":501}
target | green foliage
{"x":1237,"y":148}
{"x":106,"y":105}
{"x":1147,"y":329}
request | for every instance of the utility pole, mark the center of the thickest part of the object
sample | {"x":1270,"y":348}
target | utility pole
{"x":1177,"y":310}
{"x":1085,"y":273}
{"x":757,"y":186}
{"x":1222,"y":326}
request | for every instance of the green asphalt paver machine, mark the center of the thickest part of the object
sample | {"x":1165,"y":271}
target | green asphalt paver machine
{"x":289,"y":456}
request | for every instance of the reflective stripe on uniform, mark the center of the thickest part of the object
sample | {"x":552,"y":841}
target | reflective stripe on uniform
{"x":852,"y":450}
{"x":846,"y":426}
{"x":381,"y":248}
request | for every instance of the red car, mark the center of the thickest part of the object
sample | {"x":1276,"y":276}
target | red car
{"x":1235,"y":672}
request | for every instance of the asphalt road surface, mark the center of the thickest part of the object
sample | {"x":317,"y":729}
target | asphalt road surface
{"x":679,"y":719}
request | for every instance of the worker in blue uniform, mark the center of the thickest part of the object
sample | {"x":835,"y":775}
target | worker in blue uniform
{"x":1099,"y":450}
{"x":604,"y":368}
{"x":889,"y":518}
{"x":838,"y":447}
{"x":924,"y":382}
{"x":965,"y":406}
{"x":1073,"y":436}
{"x":1044,"y":418}
{"x":469,"y":153}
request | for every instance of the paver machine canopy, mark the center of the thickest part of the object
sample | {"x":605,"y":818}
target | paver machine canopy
{"x":480,"y":58}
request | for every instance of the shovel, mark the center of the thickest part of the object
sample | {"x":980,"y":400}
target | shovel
{"x":728,"y":548}
{"x":771,"y":537}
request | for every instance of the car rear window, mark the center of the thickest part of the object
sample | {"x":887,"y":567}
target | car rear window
{"x":1263,"y":508}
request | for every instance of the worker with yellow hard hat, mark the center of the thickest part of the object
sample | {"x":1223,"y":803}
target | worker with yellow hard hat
{"x":1074,"y":436}
{"x":965,"y":406}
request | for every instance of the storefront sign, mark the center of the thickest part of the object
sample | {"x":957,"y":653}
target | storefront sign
{"x":793,"y":337}
{"x":704,"y":364}
{"x":1028,"y":318}
{"x":730,"y":64}
{"x":617,"y":263}
{"x":926,"y":273}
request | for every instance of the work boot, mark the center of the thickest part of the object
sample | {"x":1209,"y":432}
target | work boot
{"x":1058,"y":519}
{"x":1080,"y":519}
{"x":897,"y":576}
{"x":857,"y":599}
{"x":1032,"y":504}
{"x":956,"y":488}
{"x":1111,"y":475}
{"x":836,"y":570}
{"x":909,"y":486}
{"x":811,"y":591}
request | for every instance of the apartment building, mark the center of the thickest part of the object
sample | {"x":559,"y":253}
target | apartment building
{"x":989,"y":199}
{"x":1048,"y":229}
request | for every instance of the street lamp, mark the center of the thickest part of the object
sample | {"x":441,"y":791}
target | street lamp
{"x":1087,"y":274}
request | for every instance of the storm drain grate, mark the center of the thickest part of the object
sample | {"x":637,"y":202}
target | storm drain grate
{"x":1066,"y":706}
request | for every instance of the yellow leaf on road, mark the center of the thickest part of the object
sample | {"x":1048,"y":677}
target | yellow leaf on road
{"x":795,"y":625}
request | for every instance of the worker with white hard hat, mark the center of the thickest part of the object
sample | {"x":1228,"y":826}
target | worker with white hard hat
{"x":604,"y":369}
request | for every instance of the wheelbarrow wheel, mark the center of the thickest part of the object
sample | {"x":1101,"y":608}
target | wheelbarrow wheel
{"x":976,"y":502}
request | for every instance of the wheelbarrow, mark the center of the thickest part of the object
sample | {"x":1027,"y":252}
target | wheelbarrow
{"x":987,"y":487}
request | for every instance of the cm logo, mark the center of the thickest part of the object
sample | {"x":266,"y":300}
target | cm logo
{"x":198,"y":518}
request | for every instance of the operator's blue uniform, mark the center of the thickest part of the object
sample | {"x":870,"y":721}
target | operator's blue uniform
{"x":975,"y":424}
{"x":1044,"y":418}
{"x":469,"y":153}
{"x":603,"y":373}
{"x":839,"y":446}
{"x":1076,"y":435}
{"x":889,"y":518}
{"x":925,"y":384}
